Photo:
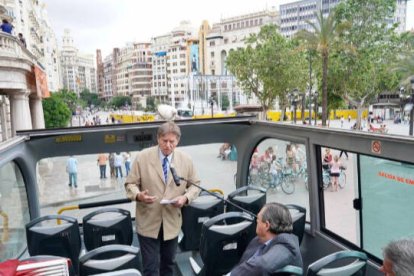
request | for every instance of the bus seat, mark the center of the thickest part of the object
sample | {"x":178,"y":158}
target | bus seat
{"x":289,"y":270}
{"x":298,"y":214}
{"x":44,"y":238}
{"x":123,"y":272}
{"x":221,"y":245}
{"x":107,"y":226}
{"x":252,"y":202}
{"x":93,"y":263}
{"x":194,"y":215}
{"x":326,"y":266}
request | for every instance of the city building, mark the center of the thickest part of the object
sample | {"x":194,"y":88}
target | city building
{"x":100,"y":75}
{"x":160,"y":83}
{"x":28,"y":68}
{"x":140,"y":73}
{"x":294,"y":16}
{"x":126,"y":72}
{"x":175,"y":55}
{"x":229,"y":34}
{"x":77,"y":69}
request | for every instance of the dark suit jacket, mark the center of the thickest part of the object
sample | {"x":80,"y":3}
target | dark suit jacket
{"x":282,"y":250}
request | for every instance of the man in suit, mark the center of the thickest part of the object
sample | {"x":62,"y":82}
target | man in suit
{"x":274,"y":247}
{"x":149,"y":182}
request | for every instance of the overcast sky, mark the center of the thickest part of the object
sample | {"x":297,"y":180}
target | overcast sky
{"x":105,"y":24}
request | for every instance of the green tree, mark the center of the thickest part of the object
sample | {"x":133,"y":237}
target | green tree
{"x":69,"y":98}
{"x":225,"y":103}
{"x":404,"y":65}
{"x":90,"y":98}
{"x":322,"y":39}
{"x":365,"y":71}
{"x":266,"y":66}
{"x":151,"y":104}
{"x":56,"y":112}
{"x":120,"y":101}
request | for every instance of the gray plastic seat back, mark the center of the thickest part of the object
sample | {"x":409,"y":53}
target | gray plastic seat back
{"x":328,"y":265}
{"x":93,"y":263}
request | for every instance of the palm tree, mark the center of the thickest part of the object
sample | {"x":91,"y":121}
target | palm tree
{"x":321,"y":39}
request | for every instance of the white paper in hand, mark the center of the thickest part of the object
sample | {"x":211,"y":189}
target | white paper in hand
{"x":168,"y":201}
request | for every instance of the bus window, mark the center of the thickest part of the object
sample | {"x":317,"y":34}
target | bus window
{"x":14,"y":212}
{"x":55,"y":174}
{"x":216,"y":165}
{"x":387,"y":190}
{"x":339,"y":178}
{"x":55,"y":192}
{"x":280,"y":167}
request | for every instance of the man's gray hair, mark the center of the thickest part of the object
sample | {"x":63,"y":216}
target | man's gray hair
{"x":278,"y":217}
{"x":169,"y":127}
{"x":401,"y":255}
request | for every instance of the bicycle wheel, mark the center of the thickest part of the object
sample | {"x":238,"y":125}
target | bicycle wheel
{"x":305,"y":179}
{"x":288,"y":185}
{"x":326,"y":179}
{"x":342,"y":180}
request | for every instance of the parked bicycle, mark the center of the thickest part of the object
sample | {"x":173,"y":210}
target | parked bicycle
{"x":326,"y":178}
{"x":284,"y":178}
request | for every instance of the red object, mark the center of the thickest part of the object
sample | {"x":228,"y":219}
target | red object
{"x":9,"y":267}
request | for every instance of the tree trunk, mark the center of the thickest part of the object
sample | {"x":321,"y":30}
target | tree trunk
{"x":282,"y":113}
{"x":359,"y":115}
{"x":324,"y":86}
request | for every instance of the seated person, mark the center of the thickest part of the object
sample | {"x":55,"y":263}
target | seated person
{"x":274,"y":247}
{"x":398,"y":258}
{"x":224,"y":151}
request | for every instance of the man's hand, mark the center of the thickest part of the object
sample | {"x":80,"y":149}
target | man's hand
{"x":180,"y":201}
{"x":145,"y":197}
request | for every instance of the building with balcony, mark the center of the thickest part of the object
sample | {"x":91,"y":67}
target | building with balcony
{"x":294,"y":16}
{"x":127,"y":72}
{"x":231,"y":33}
{"x":160,"y":82}
{"x":77,"y":69}
{"x":23,"y":85}
{"x":26,"y":74}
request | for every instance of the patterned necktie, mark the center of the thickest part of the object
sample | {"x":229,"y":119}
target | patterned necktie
{"x":165,"y":168}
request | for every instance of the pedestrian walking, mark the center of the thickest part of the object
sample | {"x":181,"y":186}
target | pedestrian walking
{"x":72,"y":170}
{"x":118,"y":160}
{"x":102,"y":159}
{"x":111,"y":158}
{"x":127,"y":160}
{"x":349,"y":118}
{"x":342,"y":121}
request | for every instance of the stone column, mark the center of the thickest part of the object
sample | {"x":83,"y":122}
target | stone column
{"x":36,"y":111}
{"x":5,"y":130}
{"x":20,"y":111}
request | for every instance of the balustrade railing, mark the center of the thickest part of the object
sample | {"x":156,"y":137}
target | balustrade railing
{"x":11,"y":47}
